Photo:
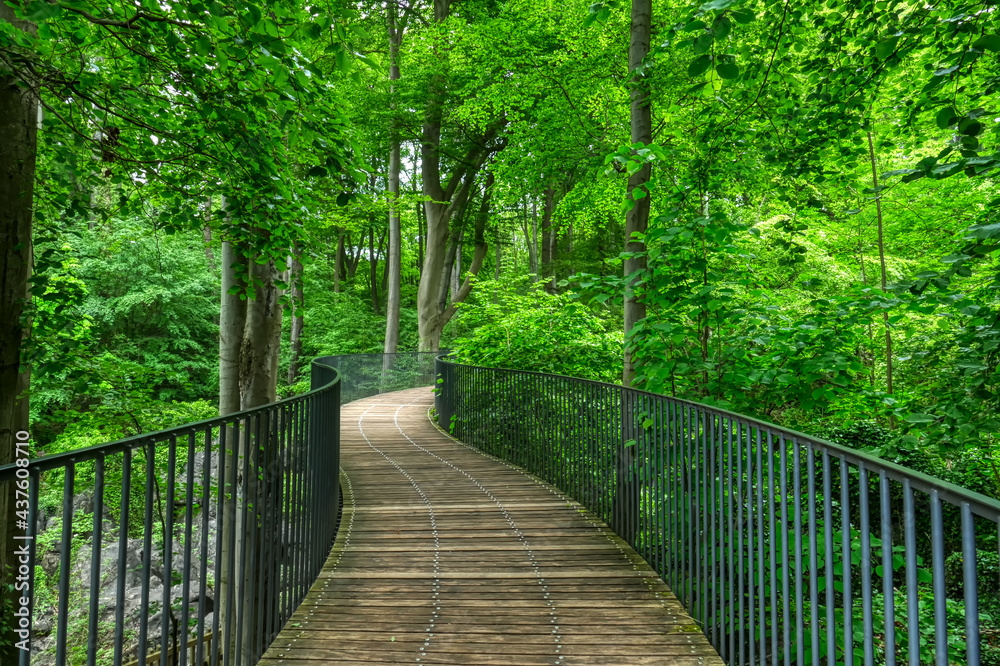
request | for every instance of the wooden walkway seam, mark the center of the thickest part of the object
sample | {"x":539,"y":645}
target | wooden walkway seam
{"x":447,"y":555}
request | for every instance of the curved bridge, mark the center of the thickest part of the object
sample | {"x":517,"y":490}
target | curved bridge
{"x":554,"y":525}
{"x":449,"y":556}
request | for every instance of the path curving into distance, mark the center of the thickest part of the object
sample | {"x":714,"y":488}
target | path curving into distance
{"x":448,"y":556}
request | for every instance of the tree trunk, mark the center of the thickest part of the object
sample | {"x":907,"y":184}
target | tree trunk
{"x":295,"y":336}
{"x":18,"y":141}
{"x":881,"y":259}
{"x":232,"y":321}
{"x":637,"y":219}
{"x":420,"y":236}
{"x":549,"y":235}
{"x":395,"y":235}
{"x":478,"y":255}
{"x":353,"y":257}
{"x":209,"y":256}
{"x":373,"y":270}
{"x":530,"y":229}
{"x":456,"y":271}
{"x":445,"y":202}
{"x":261,"y":338}
{"x":338,"y":263}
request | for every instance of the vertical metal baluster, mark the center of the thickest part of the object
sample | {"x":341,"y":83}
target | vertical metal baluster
{"x":800,"y":629}
{"x":220,"y":520}
{"x":650,"y":483}
{"x":741,"y":565}
{"x":786,"y":606}
{"x":186,"y":574}
{"x":714,"y":476}
{"x":34,"y":483}
{"x":969,"y":586}
{"x":866,"y":568}
{"x":247,"y":444}
{"x":751,"y":552}
{"x":937,"y":566}
{"x":761,"y":577}
{"x":166,"y":611}
{"x":708,"y":522}
{"x":772,"y":548}
{"x":288,"y":472}
{"x":697,"y":486}
{"x":593,"y":458}
{"x":910,"y":553}
{"x":690,"y":551}
{"x":831,"y":643}
{"x":64,"y":562}
{"x":294,"y":505}
{"x":730,"y":556}
{"x":123,"y":516}
{"x":888,"y":601}
{"x":662,"y":487}
{"x":95,"y":560}
{"x":238,"y":429}
{"x":266,"y":512}
{"x":813,"y":554}
{"x":206,"y":497}
{"x":675,"y":496}
{"x":147,"y":551}
{"x":845,"y":544}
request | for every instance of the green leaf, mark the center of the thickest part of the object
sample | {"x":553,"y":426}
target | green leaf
{"x":318,"y":172}
{"x":988,"y":43}
{"x":886,"y":48}
{"x":946,"y":117}
{"x":945,"y":71}
{"x":717,"y":5}
{"x":343,"y":198}
{"x":920,"y":418}
{"x":743,"y":16}
{"x":699,"y":65}
{"x":728,"y":70}
{"x":40,"y":11}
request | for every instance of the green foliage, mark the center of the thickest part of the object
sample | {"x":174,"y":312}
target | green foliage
{"x":527,"y":328}
{"x":129,"y":319}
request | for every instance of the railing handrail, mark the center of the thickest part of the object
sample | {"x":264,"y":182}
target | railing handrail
{"x":45,"y":463}
{"x":980,"y":504}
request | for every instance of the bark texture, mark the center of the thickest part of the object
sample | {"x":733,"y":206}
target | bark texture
{"x":261,"y":338}
{"x":18,"y":140}
{"x":395,"y":236}
{"x":232,"y":322}
{"x":637,"y":219}
{"x":446,"y":201}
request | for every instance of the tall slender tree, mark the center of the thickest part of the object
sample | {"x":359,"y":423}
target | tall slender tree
{"x":637,"y":218}
{"x":18,"y":137}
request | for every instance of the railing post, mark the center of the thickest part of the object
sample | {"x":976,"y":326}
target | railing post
{"x":626,"y":509}
{"x":444,"y":400}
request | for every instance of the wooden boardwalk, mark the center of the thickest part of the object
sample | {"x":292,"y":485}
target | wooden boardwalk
{"x":447,"y":556}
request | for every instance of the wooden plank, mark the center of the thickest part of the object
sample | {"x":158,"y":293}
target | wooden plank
{"x":455,"y":558}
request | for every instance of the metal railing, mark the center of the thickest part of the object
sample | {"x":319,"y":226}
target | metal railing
{"x":366,"y":375}
{"x":238,"y":512}
{"x":204,"y":538}
{"x":786,"y":549}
